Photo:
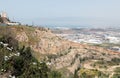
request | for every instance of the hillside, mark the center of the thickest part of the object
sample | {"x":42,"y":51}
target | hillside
{"x":41,"y":40}
{"x":75,"y":60}
{"x":21,"y":64}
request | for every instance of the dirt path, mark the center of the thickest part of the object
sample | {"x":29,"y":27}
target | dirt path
{"x":111,"y":69}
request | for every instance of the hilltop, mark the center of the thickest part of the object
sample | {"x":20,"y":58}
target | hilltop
{"x":67,"y":57}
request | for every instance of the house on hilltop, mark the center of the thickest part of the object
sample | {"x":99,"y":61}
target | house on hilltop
{"x":4,"y":20}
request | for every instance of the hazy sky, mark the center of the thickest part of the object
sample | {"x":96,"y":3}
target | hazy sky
{"x":64,"y":12}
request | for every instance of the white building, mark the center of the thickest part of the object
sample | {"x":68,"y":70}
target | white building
{"x":94,"y":41}
{"x":113,"y":39}
{"x":12,"y":23}
{"x":4,"y":14}
{"x":5,"y":19}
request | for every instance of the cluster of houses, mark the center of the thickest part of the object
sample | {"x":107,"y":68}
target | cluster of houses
{"x":4,"y":20}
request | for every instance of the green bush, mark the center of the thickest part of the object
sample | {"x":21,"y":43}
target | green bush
{"x":91,"y":73}
{"x":54,"y":74}
{"x":116,"y":76}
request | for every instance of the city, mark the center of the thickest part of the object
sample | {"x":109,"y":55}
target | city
{"x":107,"y":38}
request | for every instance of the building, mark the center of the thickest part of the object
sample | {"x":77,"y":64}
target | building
{"x":4,"y":20}
{"x":4,"y":14}
{"x":112,"y":39}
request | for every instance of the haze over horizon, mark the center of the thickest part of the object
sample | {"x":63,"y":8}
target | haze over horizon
{"x":93,"y":13}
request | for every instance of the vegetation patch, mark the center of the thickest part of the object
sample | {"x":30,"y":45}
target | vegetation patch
{"x":21,"y":63}
{"x":91,"y":73}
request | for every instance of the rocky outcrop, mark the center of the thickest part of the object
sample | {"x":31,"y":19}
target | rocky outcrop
{"x":22,"y":37}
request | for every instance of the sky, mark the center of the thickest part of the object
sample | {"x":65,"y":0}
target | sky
{"x":96,"y":13}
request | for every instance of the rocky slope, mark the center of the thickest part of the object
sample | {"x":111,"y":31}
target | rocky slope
{"x":41,"y":40}
{"x":59,"y":54}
